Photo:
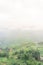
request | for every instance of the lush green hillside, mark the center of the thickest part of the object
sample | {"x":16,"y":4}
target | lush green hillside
{"x":24,"y":54}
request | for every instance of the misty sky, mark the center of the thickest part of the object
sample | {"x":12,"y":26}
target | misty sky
{"x":21,"y":14}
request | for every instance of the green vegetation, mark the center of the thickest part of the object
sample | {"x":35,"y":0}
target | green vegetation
{"x":25,"y":54}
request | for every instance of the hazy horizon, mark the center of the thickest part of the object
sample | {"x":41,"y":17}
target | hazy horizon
{"x":21,"y":19}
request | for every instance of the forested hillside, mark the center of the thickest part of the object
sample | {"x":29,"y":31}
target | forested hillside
{"x":25,"y":54}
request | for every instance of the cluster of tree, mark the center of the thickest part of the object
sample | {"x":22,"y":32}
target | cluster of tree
{"x":20,"y":57}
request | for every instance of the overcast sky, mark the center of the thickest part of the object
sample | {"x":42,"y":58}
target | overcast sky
{"x":21,"y":14}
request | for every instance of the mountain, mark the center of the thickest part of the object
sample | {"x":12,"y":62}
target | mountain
{"x":17,"y":37}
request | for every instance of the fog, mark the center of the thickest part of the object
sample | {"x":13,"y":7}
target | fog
{"x":21,"y":14}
